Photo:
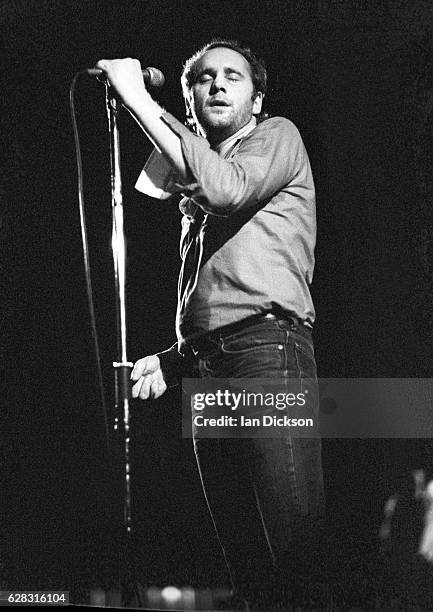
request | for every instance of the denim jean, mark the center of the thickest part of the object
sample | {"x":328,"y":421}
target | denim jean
{"x":265,"y":495}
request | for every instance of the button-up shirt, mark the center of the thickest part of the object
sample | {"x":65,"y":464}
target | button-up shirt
{"x":248,"y":227}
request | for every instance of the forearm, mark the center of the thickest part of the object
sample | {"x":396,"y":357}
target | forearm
{"x":148,"y":114}
{"x":270,"y":158}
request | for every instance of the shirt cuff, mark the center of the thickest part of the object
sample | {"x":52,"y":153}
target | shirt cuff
{"x":157,"y":178}
{"x":176,"y":365}
{"x":171,"y":365}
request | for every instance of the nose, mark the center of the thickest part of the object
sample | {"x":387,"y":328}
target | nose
{"x":218,"y":84}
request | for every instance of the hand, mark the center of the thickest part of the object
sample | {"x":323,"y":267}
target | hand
{"x":126,"y":77}
{"x":148,"y":378}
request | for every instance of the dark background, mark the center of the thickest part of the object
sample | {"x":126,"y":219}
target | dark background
{"x":356,"y":77}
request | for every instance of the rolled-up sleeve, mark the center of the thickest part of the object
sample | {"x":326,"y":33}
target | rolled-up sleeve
{"x":267,"y":160}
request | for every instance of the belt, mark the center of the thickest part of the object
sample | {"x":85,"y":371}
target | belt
{"x":209,"y":341}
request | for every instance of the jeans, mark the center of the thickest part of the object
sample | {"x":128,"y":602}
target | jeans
{"x":265,"y":495}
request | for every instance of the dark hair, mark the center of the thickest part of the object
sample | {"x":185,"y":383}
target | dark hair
{"x":257,"y":67}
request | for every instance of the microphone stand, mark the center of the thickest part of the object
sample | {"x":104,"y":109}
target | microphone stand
{"x":122,"y":367}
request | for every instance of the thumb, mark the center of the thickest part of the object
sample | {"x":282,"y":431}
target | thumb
{"x":146,"y":365}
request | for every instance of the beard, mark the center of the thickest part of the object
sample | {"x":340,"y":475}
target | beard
{"x":220,"y":122}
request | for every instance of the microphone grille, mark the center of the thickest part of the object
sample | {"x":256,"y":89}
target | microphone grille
{"x":156,"y":77}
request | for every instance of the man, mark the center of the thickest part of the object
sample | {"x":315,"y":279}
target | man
{"x":244,"y":307}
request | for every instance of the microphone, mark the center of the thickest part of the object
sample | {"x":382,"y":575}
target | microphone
{"x":152,"y":76}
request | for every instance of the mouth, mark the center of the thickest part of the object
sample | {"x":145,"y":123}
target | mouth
{"x":218,"y":102}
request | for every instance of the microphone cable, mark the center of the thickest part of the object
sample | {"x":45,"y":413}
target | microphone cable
{"x":86,"y":258}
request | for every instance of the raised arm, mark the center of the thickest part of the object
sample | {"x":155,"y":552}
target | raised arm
{"x":270,"y":158}
{"x":126,"y":77}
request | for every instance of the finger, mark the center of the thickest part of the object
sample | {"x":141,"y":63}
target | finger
{"x":153,"y":389}
{"x":157,"y":388}
{"x":132,"y":61}
{"x":162,"y":390}
{"x":145,"y":388}
{"x":102,"y":64}
{"x":135,"y":391}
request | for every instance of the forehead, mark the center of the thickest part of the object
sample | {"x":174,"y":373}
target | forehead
{"x":222,"y":57}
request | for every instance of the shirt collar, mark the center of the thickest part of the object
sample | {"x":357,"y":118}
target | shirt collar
{"x":223,"y":147}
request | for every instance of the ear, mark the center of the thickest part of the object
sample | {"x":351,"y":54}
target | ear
{"x":257,"y":104}
{"x":191,"y":118}
{"x":189,"y":101}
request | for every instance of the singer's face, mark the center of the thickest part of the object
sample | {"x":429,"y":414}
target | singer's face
{"x":223,"y":98}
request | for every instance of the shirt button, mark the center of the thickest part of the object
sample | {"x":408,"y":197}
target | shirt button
{"x":280,"y":347}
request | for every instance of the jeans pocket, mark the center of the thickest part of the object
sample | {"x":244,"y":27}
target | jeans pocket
{"x":263,"y":361}
{"x":305,"y":360}
{"x":307,"y":372}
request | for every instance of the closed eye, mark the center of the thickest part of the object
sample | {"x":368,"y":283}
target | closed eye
{"x":234,"y":75}
{"x":205,"y":77}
